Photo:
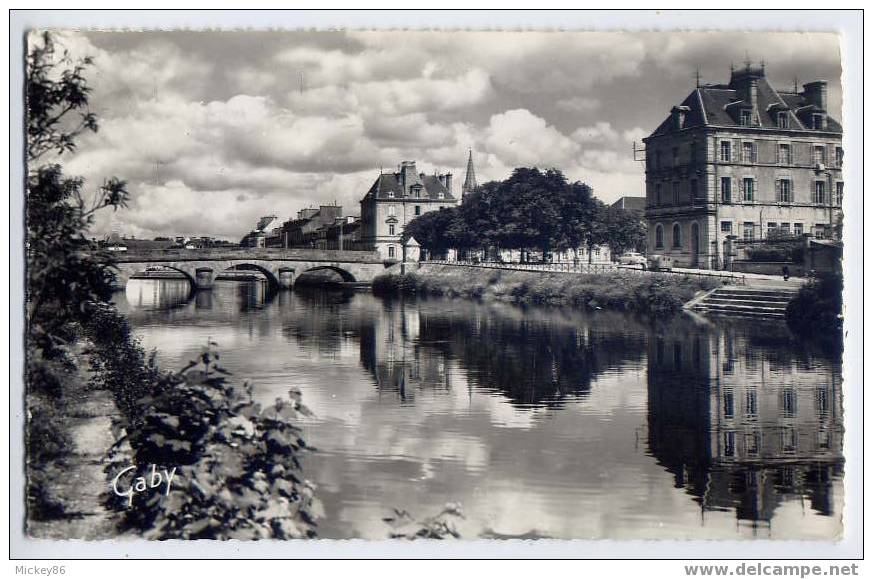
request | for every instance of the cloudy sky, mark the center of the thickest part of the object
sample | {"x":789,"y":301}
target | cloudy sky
{"x":214,"y":129}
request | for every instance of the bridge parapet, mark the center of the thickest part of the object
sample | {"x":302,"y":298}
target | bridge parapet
{"x":245,"y":253}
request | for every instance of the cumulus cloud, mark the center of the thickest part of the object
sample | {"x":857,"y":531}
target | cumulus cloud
{"x":212,"y":130}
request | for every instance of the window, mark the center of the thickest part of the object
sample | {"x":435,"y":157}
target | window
{"x":782,"y":120}
{"x":726,"y":226}
{"x":789,"y":440}
{"x":675,"y":193}
{"x":692,"y":153}
{"x":839,"y":199}
{"x":391,"y":229}
{"x":675,"y":156}
{"x":730,"y":443}
{"x":677,"y":236}
{"x":725,"y":151}
{"x":785,"y":229}
{"x":695,"y":191}
{"x":819,"y":231}
{"x":441,"y":195}
{"x":789,"y":403}
{"x":818,"y":155}
{"x":750,"y":153}
{"x":725,"y":189}
{"x":783,"y":190}
{"x":659,"y":236}
{"x":392,"y":210}
{"x":418,"y":209}
{"x":728,"y":404}
{"x":772,"y":229}
{"x":657,"y":194}
{"x":746,"y":118}
{"x":390,"y":251}
{"x":748,"y":189}
{"x":748,"y":230}
{"x":818,"y":196}
{"x":751,"y":403}
{"x":752,"y":443}
{"x":798,"y":229}
{"x":839,"y":155}
{"x":784,"y":154}
{"x":817,"y":122}
{"x":390,"y":194}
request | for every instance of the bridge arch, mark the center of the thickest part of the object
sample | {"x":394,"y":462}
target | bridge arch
{"x":125,"y":271}
{"x":346,"y":275}
{"x":272,"y":276}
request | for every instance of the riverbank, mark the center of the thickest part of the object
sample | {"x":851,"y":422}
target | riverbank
{"x":618,"y":290}
{"x":66,"y":473}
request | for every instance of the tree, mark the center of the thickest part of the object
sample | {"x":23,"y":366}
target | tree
{"x":625,"y":230}
{"x":431,"y":229}
{"x":61,"y":278}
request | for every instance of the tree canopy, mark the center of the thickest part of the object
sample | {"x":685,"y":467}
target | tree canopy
{"x":532,"y":209}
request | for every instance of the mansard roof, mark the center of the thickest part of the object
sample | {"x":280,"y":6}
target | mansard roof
{"x":387,"y":183}
{"x":713,"y":106}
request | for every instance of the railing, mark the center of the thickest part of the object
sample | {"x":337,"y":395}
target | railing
{"x":555,"y":267}
{"x":588,"y":268}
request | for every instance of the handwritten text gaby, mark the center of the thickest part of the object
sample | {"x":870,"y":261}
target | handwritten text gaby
{"x":140,"y":484}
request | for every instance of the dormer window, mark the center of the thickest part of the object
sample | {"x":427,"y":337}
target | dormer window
{"x":817,"y":122}
{"x":441,"y":195}
{"x":416,"y":191}
{"x":782,"y":120}
{"x":390,"y":194}
{"x":746,"y":118}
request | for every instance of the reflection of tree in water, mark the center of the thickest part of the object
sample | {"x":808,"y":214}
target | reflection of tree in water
{"x":531,"y":361}
{"x":740,"y":423}
{"x":532,"y":357}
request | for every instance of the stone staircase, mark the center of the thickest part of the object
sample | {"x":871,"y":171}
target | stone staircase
{"x":758,"y":302}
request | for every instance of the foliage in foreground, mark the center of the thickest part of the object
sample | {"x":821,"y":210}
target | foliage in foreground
{"x":238,"y":474}
{"x":817,"y":309}
{"x":62,"y":282}
{"x":648,"y":294}
{"x":439,"y":526}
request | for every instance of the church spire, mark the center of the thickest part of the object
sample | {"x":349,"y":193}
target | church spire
{"x":470,"y":180}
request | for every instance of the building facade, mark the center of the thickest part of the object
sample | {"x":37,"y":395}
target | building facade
{"x":397,"y":198}
{"x":742,"y":161}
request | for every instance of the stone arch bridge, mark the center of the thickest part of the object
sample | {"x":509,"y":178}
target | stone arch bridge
{"x":282,"y":267}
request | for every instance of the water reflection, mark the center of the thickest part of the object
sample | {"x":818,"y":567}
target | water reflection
{"x":542,"y":422}
{"x":743,"y":418}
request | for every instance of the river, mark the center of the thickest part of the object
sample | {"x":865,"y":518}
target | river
{"x":541,"y":422}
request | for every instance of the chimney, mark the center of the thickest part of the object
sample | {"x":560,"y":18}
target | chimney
{"x":448,"y":182}
{"x":745,"y":82}
{"x":816,"y":93}
{"x":407,"y":175}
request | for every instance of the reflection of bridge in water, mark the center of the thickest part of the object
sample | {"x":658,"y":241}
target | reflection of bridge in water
{"x":281,"y":267}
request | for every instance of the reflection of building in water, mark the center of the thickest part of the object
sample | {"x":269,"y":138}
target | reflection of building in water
{"x":741,"y":427}
{"x":392,"y":352}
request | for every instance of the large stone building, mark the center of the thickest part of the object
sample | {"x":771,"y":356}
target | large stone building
{"x":742,"y":161}
{"x":397,"y":198}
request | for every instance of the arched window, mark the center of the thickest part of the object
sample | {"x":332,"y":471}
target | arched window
{"x":677,"y":235}
{"x":659,"y":236}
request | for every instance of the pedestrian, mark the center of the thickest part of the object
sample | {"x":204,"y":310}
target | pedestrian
{"x":785,"y":273}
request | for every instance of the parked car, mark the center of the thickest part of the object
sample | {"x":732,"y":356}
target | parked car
{"x":660,"y":263}
{"x":632,"y":258}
